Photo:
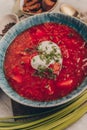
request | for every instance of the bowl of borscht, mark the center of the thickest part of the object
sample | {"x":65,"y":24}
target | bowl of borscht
{"x":43,"y":60}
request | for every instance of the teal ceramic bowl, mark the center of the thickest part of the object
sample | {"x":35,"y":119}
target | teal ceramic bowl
{"x":20,"y":27}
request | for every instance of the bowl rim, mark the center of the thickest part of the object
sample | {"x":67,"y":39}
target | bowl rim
{"x":11,"y":35}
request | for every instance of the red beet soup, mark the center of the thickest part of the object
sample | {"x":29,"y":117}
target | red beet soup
{"x":46,"y":62}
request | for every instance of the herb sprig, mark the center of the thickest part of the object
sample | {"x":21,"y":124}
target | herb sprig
{"x":43,"y":72}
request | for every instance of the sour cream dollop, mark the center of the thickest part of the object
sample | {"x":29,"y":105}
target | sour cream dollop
{"x":48,"y":53}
